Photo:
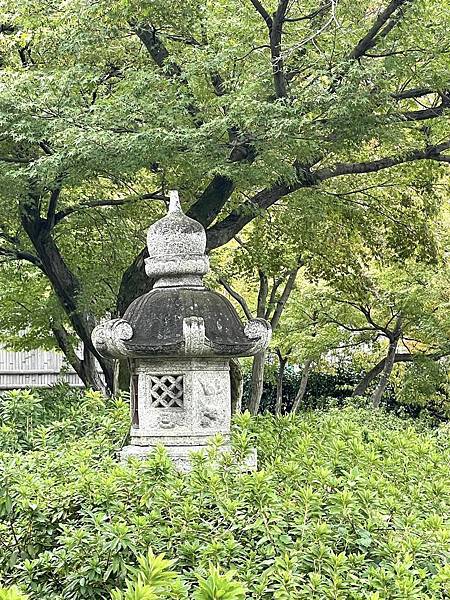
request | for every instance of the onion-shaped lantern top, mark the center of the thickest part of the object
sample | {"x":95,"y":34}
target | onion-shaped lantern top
{"x":179,"y":316}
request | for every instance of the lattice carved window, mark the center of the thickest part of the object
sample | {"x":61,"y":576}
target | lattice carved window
{"x":166,"y":391}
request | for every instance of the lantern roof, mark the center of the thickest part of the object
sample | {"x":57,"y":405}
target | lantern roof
{"x":179,"y":316}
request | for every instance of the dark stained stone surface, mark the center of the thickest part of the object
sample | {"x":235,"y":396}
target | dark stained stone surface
{"x":157,"y":321}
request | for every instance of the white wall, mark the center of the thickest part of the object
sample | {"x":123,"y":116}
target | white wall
{"x":37,"y":368}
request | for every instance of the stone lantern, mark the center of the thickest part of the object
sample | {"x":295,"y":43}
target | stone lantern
{"x":179,"y":339}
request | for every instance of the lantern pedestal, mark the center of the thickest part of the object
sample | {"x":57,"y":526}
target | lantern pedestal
{"x":181,"y":404}
{"x":181,"y":455}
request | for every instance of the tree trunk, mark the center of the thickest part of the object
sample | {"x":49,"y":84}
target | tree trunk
{"x":388,"y":365}
{"x":362,"y":386}
{"x":67,"y":288}
{"x":90,"y":376}
{"x":303,"y":384}
{"x":387,"y":370}
{"x":85,"y":368}
{"x":282,"y":362}
{"x":257,"y":382}
{"x":237,"y":386}
{"x":122,"y":376}
{"x":134,"y":283}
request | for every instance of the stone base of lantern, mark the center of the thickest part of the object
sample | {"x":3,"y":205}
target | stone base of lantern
{"x":181,"y":404}
{"x":181,"y":455}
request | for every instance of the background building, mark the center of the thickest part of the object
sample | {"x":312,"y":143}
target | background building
{"x":37,"y":368}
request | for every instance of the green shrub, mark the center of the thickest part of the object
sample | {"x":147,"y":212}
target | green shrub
{"x":45,"y":420}
{"x":347,"y":504}
{"x":322,"y":388}
{"x":422,"y":392}
{"x":153,"y":580}
{"x":12,"y":593}
{"x":425,"y":385}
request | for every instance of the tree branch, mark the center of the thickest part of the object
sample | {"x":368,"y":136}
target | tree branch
{"x":349,"y":328}
{"x":156,"y":49}
{"x":413,"y":93}
{"x":212,"y":200}
{"x":54,"y":196}
{"x":443,"y":158}
{"x":11,"y":239}
{"x":311,"y":15}
{"x":16,"y":254}
{"x":65,"y":212}
{"x":275,"y":26}
{"x":240,"y":299}
{"x":377,"y":32}
{"x":262,"y":294}
{"x":189,"y":41}
{"x":223,"y":231}
{"x":427,"y":113}
{"x":368,"y":315}
{"x":11,"y":159}
{"x":430,"y":153}
{"x":276,"y":31}
{"x":273,"y":293}
{"x":284,"y":297}
{"x":263,"y":12}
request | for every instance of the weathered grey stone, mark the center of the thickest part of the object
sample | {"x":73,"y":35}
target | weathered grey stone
{"x":181,"y":399}
{"x":181,"y":455}
{"x":179,"y":338}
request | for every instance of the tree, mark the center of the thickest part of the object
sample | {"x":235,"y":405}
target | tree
{"x":395,"y":311}
{"x":240,"y":105}
{"x":374,"y":299}
{"x":306,"y":337}
{"x":267,"y":262}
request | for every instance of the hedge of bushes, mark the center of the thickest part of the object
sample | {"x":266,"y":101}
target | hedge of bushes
{"x":328,"y":389}
{"x":323,"y":388}
{"x":347,"y":504}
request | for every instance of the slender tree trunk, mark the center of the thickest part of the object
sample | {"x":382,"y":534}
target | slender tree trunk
{"x":387,"y":370}
{"x":122,"y":376}
{"x":303,"y":384}
{"x":282,"y":362}
{"x":257,"y":382}
{"x":90,"y":375}
{"x":388,"y":365}
{"x":237,"y":386}
{"x":367,"y":379}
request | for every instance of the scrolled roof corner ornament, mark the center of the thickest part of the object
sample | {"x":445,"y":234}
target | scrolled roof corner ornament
{"x":108,"y":338}
{"x":260,"y":331}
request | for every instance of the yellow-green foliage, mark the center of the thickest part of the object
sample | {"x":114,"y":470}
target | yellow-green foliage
{"x":12,"y":593}
{"x":347,"y":504}
{"x":154,"y":580}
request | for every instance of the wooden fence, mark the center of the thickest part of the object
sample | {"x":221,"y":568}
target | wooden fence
{"x":35,"y":369}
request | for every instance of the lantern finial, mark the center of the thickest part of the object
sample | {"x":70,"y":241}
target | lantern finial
{"x":174,"y":203}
